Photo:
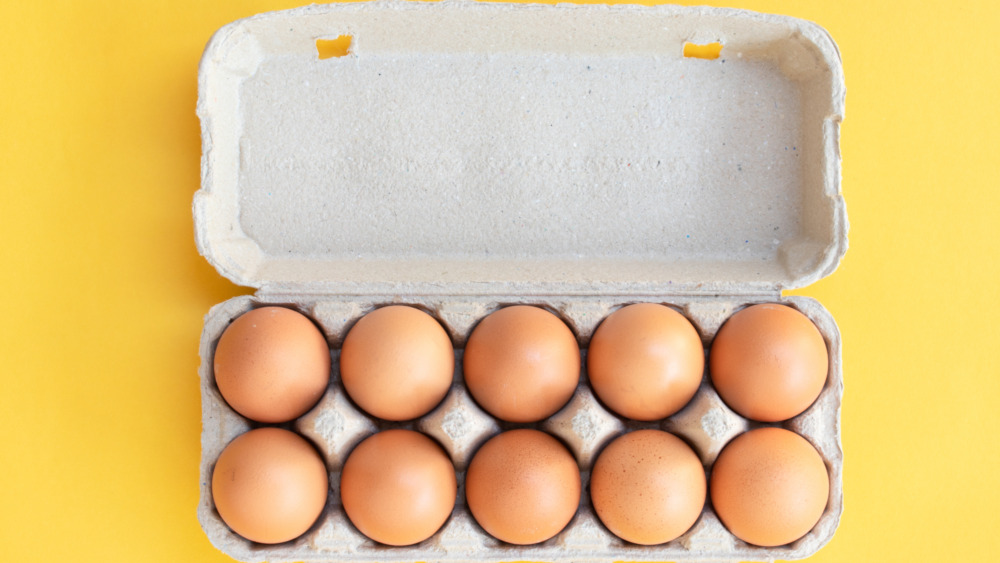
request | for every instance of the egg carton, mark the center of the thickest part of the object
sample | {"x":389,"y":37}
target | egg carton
{"x":336,"y":425}
{"x":461,"y":156}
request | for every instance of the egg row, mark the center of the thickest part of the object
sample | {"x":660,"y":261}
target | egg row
{"x":521,"y":363}
{"x":398,"y":487}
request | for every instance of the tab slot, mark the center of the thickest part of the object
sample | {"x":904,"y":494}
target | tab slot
{"x":334,"y":48}
{"x":708,"y":51}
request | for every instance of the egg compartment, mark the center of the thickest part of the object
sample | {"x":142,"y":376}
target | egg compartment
{"x":460,"y":156}
{"x":336,"y":425}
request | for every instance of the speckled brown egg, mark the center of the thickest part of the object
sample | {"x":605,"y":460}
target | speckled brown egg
{"x":768,"y":362}
{"x":269,"y":485}
{"x":523,"y":486}
{"x":272,"y":364}
{"x":645,"y":361}
{"x":769,"y":486}
{"x":522,"y":363}
{"x":648,"y":487}
{"x":398,"y":487}
{"x":397,"y":362}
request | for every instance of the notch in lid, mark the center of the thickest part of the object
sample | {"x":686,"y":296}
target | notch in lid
{"x":467,"y":148}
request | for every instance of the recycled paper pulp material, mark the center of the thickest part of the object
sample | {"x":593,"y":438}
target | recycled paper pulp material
{"x":464,"y":156}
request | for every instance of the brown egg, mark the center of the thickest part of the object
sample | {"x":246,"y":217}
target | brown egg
{"x":768,"y":362}
{"x":397,"y":363}
{"x":648,"y":487}
{"x":522,"y":363}
{"x":269,"y":485}
{"x":398,"y":487}
{"x":523,"y":486}
{"x":645,"y":361}
{"x":769,"y":486}
{"x":272,"y":364}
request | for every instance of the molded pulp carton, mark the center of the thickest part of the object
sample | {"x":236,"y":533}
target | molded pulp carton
{"x":461,"y":157}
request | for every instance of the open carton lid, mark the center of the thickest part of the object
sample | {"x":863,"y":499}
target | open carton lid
{"x":468,"y":148}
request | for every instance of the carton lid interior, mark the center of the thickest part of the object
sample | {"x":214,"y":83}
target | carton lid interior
{"x":467,"y":148}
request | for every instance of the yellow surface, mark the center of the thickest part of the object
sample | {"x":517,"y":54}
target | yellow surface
{"x":104,"y":292}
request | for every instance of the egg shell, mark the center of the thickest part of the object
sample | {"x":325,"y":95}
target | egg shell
{"x":397,"y":363}
{"x":522,"y":363}
{"x":645,"y":361}
{"x":648,"y":487}
{"x":769,"y":486}
{"x":768,"y":362}
{"x":272,"y":364}
{"x":269,"y":485}
{"x":398,"y":487}
{"x":523,"y":486}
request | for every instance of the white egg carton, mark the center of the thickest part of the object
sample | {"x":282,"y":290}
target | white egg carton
{"x":463,"y":156}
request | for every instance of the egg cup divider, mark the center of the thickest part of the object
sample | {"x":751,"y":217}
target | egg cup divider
{"x":463,"y":156}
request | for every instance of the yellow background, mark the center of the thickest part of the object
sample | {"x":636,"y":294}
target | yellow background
{"x":103,"y":292}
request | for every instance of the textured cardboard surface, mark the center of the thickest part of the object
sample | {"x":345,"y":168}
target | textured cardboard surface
{"x":466,"y":148}
{"x":464,"y":156}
